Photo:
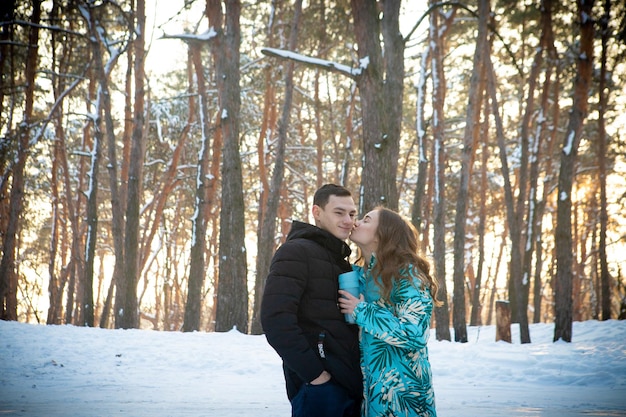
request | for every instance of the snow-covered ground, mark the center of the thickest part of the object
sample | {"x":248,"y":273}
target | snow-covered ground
{"x":54,"y":371}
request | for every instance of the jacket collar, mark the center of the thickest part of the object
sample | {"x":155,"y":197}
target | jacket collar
{"x":301,"y":230}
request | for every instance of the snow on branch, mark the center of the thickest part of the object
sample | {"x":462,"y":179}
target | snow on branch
{"x":192,"y":37}
{"x":316,"y":62}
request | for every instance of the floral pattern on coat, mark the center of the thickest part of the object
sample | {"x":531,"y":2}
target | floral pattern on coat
{"x":394,"y":357}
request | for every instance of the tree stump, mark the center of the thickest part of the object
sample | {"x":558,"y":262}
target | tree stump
{"x":503,"y":321}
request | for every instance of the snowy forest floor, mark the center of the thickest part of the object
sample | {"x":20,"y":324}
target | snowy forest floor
{"x":66,"y":371}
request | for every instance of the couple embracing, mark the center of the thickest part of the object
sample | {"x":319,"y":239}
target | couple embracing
{"x":379,"y":365}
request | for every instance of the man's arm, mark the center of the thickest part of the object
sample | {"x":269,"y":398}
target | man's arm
{"x":285,"y":285}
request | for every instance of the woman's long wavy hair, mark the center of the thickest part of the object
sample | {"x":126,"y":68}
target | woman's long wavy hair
{"x":397,"y":249}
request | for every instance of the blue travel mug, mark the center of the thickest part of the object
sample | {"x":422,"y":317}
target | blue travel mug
{"x":349,"y":281}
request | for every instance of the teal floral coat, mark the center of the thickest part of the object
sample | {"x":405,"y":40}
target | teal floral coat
{"x":397,"y":379}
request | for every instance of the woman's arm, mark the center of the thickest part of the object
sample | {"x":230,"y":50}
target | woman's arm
{"x":406,"y":322}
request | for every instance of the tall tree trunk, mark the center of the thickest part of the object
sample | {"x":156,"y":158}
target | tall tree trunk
{"x":472,"y":128}
{"x":232,"y":297}
{"x":62,"y":209}
{"x":104,"y":126}
{"x":92,"y":223}
{"x":536,"y":202}
{"x":8,"y":274}
{"x":475,"y":315}
{"x":512,"y":209}
{"x":118,"y":182}
{"x":319,"y":136}
{"x":381,"y":90}
{"x":563,"y":232}
{"x":127,"y":314}
{"x":265,"y":243}
{"x":55,"y":224}
{"x":442,"y":314}
{"x":115,"y":189}
{"x":7,"y":14}
{"x":531,"y":145}
{"x":87,"y":301}
{"x":417,"y":212}
{"x":75,"y":267}
{"x":117,"y":232}
{"x":348,"y":150}
{"x":603,"y":93}
{"x":550,"y":90}
{"x":213,"y":208}
{"x":5,"y":210}
{"x":193,"y":308}
{"x":268,"y":226}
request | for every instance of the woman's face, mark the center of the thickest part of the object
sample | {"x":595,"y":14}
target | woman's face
{"x":364,"y":233}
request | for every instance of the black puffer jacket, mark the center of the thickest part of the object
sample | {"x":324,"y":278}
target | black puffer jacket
{"x":299,"y":310}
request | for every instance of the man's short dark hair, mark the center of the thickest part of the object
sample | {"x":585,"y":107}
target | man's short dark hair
{"x":322,"y":195}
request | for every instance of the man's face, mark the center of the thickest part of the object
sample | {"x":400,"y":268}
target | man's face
{"x":337,"y":217}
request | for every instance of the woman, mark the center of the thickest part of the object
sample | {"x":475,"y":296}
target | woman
{"x":393,"y":313}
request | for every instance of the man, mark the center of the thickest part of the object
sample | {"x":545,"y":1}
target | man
{"x":300,"y":316}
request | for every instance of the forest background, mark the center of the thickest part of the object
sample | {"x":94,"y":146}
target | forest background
{"x":153,"y":153}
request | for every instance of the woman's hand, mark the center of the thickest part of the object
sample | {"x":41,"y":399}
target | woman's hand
{"x":348,"y":302}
